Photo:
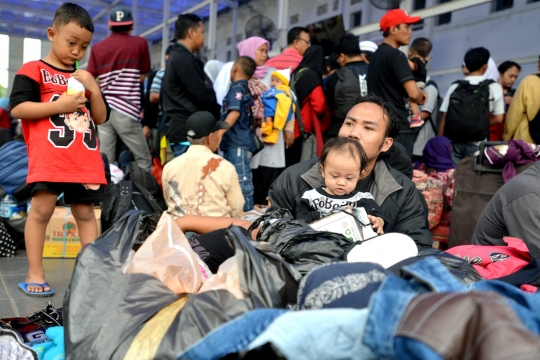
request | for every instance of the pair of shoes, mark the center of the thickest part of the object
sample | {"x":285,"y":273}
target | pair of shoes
{"x":24,"y":287}
{"x":416,"y":121}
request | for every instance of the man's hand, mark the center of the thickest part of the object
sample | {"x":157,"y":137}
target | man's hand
{"x":289,"y":139}
{"x":146,"y":131}
{"x":377,"y":223}
{"x":87,"y":80}
{"x":70,"y":103}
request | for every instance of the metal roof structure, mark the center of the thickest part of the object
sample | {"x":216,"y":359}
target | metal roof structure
{"x":30,"y":18}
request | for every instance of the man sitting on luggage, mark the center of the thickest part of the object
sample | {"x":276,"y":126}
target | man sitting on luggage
{"x":374,"y":123}
{"x":200,"y":182}
{"x":513,"y":211}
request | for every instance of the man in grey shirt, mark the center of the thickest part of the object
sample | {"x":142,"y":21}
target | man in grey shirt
{"x":514,"y":211}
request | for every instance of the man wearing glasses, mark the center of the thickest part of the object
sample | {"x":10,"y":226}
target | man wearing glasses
{"x":298,"y":41}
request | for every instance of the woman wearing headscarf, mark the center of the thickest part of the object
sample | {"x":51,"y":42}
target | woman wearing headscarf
{"x":212,"y":69}
{"x":307,"y":82}
{"x":436,"y":182}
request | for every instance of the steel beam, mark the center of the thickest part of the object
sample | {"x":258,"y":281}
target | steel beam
{"x":165,"y":32}
{"x":212,"y":24}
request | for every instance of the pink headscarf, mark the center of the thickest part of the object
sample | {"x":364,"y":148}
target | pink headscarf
{"x":249,"y":47}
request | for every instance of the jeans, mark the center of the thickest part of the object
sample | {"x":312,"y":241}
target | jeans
{"x":130,"y":131}
{"x":233,"y":336}
{"x":241,"y":159}
{"x":461,"y":150}
{"x":388,"y":306}
{"x":178,"y":149}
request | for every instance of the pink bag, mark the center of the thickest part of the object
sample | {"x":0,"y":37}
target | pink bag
{"x":167,"y":255}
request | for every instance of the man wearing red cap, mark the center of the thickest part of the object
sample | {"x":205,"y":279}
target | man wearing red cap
{"x":390,"y":76}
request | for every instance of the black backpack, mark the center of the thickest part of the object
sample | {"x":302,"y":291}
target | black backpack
{"x":467,"y":117}
{"x":134,"y":173}
{"x":124,"y":196}
{"x":349,"y":87}
{"x":534,"y":126}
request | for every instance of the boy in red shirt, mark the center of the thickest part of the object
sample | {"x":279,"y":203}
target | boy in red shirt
{"x":60,"y":132}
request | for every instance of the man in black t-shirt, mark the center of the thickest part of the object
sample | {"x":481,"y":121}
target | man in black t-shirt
{"x":390,"y":76}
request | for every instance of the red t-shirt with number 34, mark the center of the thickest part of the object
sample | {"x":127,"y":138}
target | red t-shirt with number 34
{"x":62,"y":147}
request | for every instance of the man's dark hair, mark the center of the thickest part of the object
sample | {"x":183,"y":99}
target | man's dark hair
{"x":422,"y":47}
{"x":69,"y":12}
{"x":389,"y":111}
{"x":507,"y":65}
{"x":476,"y":58}
{"x":294,"y":34}
{"x":121,"y":29}
{"x":330,"y":64}
{"x":186,"y":22}
{"x":247,"y":65}
{"x":347,"y":44}
{"x":345,"y":146}
{"x":387,"y":32}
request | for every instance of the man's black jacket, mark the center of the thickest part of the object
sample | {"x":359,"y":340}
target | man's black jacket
{"x":185,"y":91}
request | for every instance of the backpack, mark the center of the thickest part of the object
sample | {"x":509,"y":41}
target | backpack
{"x":348,"y":88}
{"x":467,"y":118}
{"x":534,"y":126}
{"x":13,"y":165}
{"x":124,"y":196}
{"x":134,"y":173}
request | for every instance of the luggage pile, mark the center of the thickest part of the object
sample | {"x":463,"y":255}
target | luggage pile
{"x":140,"y":292}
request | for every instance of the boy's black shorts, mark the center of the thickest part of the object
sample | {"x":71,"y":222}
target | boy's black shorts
{"x":73,"y":193}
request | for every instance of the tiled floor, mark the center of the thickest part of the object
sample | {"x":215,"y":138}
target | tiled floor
{"x":14,"y":302}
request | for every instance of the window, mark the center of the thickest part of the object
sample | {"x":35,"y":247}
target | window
{"x":229,"y":40}
{"x":355,"y":2}
{"x":238,"y":37}
{"x":229,"y":55}
{"x":336,"y":5}
{"x":322,"y":9}
{"x":31,"y":50}
{"x":444,"y":18}
{"x":356,"y":19}
{"x":499,"y":5}
{"x":532,"y":1}
{"x":418,"y":5}
{"x":295,"y":19}
{"x":4,"y":64}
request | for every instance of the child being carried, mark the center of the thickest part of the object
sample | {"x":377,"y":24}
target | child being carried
{"x":279,"y":107}
{"x":341,"y":163}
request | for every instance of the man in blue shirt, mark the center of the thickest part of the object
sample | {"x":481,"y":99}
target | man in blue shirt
{"x":237,"y":142}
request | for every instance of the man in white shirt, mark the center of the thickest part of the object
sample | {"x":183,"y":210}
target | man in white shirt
{"x":464,"y":120}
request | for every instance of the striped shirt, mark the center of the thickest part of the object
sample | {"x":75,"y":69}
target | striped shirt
{"x":288,"y":58}
{"x":118,"y":62}
{"x":156,"y":87}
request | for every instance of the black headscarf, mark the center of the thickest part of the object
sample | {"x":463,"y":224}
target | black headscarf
{"x":309,"y":79}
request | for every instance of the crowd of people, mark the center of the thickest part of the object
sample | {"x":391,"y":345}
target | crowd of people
{"x":296,"y":131}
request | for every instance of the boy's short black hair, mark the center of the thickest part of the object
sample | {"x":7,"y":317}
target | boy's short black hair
{"x":507,"y":65}
{"x":69,"y":12}
{"x":421,"y":46}
{"x":346,"y":146}
{"x":348,"y":45}
{"x":186,"y":22}
{"x":247,"y":65}
{"x":294,"y":34}
{"x":476,"y":58}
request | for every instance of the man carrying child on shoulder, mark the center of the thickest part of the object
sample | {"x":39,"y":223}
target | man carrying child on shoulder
{"x":237,"y":144}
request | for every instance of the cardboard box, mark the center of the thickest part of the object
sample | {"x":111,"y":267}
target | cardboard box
{"x":62,"y":236}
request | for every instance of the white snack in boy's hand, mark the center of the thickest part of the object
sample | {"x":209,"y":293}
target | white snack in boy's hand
{"x":74,"y":86}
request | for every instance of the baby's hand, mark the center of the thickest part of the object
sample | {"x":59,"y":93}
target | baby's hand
{"x":377,"y":224}
{"x":87,"y":80}
{"x":70,"y":103}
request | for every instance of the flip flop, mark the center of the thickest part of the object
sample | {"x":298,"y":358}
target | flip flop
{"x":24,"y":287}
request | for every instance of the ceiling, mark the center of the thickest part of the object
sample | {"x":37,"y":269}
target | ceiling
{"x":31,"y":18}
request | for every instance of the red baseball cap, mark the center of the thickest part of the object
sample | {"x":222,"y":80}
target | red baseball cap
{"x":396,"y":17}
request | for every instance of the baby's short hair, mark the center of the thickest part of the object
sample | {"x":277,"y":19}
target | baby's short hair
{"x":346,"y":146}
{"x":247,"y":65}
{"x":69,"y":12}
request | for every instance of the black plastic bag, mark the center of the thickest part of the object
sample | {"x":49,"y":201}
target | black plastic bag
{"x":104,"y":308}
{"x":298,"y":243}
